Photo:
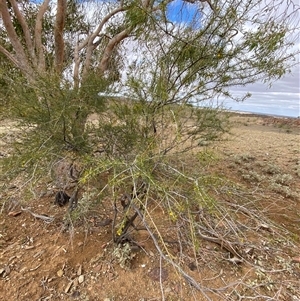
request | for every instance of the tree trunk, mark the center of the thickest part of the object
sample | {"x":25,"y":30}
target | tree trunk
{"x":26,"y":31}
{"x":58,"y":35}
{"x":21,"y":58}
{"x":38,"y":36}
{"x":103,"y":65}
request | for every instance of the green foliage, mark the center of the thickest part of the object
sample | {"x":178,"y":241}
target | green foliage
{"x":8,"y":76}
{"x":76,"y":20}
{"x":30,"y":11}
{"x":52,"y":119}
{"x":135,"y":15}
{"x":207,"y":157}
{"x":136,"y":143}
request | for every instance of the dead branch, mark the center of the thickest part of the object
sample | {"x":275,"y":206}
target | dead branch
{"x":126,"y":201}
{"x":224,"y":244}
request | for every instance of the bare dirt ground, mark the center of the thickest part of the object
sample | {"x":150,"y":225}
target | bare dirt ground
{"x":42,"y":261}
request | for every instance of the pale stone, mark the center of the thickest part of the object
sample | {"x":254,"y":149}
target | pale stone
{"x":60,"y":273}
{"x":80,"y":279}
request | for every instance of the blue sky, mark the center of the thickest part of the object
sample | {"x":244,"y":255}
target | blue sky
{"x":181,"y":12}
{"x":283,"y":98}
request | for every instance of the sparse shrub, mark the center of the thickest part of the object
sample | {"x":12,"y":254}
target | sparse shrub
{"x":79,"y":211}
{"x":283,"y":179}
{"x":271,"y":169}
{"x":124,"y":255}
{"x":253,"y":176}
{"x":284,"y":190}
{"x":260,"y":164}
{"x":244,"y":158}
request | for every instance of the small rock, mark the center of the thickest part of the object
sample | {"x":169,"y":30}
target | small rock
{"x":7,"y":270}
{"x":2,"y":271}
{"x":60,"y":273}
{"x":106,"y":299}
{"x":80,"y":279}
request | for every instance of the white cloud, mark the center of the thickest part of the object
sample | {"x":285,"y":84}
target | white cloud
{"x":283,"y":98}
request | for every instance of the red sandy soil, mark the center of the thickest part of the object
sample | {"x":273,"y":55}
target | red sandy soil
{"x":40,"y":261}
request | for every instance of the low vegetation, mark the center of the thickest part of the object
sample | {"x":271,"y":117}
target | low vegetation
{"x":146,"y":157}
{"x":176,"y":195}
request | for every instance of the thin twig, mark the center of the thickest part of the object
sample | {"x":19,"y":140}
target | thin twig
{"x":45,"y":218}
{"x":160,"y":280}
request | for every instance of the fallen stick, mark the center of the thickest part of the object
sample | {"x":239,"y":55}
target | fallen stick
{"x":45,"y":218}
{"x":222,"y":243}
